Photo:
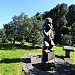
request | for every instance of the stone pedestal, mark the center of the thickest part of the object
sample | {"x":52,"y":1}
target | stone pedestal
{"x":36,"y":67}
{"x":48,"y":55}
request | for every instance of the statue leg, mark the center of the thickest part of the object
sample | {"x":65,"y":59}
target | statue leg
{"x":50,"y":47}
{"x":44,"y":55}
{"x":51,"y":43}
{"x":45,"y":47}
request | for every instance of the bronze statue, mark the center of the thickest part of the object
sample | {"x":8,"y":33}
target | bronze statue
{"x":48,"y":34}
{"x":48,"y":37}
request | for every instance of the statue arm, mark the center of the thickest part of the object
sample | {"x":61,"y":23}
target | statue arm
{"x":51,"y":35}
{"x":46,"y":33}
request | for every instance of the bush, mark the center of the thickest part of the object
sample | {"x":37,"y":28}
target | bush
{"x":67,"y":39}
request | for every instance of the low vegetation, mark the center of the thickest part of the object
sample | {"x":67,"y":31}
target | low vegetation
{"x":11,"y":58}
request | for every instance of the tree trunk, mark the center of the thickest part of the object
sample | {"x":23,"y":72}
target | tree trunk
{"x":14,"y":41}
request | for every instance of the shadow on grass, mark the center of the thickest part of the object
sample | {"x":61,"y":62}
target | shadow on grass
{"x":15,"y":60}
{"x":18,"y":46}
{"x":6,"y":46}
{"x":7,"y":60}
{"x":62,"y":57}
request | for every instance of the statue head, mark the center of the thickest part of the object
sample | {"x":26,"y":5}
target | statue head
{"x":48,"y":21}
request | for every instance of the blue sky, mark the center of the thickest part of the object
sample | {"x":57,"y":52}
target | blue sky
{"x":9,"y":8}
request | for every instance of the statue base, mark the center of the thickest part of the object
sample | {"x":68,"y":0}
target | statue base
{"x":48,"y":55}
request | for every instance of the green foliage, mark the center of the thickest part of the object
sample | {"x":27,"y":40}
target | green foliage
{"x":58,"y":14}
{"x":73,"y":33}
{"x":15,"y":29}
{"x":71,"y":15}
{"x":36,"y":32}
{"x":2,"y":36}
{"x":67,"y":39}
{"x":59,"y":21}
{"x":22,"y":28}
{"x":6,"y":46}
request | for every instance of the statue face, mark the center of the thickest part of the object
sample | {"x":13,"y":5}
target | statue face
{"x":50,"y":25}
{"x":48,"y":22}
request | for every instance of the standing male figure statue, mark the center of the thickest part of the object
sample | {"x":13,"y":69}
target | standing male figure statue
{"x":48,"y":37}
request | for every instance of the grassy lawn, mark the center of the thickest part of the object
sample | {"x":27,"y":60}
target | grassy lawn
{"x":61,"y":53}
{"x":11,"y":60}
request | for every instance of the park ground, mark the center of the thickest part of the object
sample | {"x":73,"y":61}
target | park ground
{"x":11,"y":57}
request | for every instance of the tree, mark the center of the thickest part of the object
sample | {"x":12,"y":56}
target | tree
{"x":59,"y":21}
{"x":73,"y":33}
{"x":35,"y":34}
{"x":15,"y":29}
{"x":10,"y":31}
{"x":2,"y":36}
{"x":71,"y":15}
{"x":67,"y":39}
{"x":58,"y":15}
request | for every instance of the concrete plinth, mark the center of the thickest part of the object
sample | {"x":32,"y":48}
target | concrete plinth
{"x":32,"y":65}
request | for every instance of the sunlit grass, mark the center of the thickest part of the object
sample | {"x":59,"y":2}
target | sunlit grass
{"x":59,"y":50}
{"x":11,"y":59}
{"x":61,"y":53}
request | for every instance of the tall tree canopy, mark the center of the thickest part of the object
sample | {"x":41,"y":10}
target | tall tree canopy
{"x":71,"y":15}
{"x":30,"y":29}
{"x":58,"y":14}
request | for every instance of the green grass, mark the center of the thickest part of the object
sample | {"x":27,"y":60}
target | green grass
{"x":11,"y":59}
{"x":58,"y":50}
{"x":61,"y":53}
